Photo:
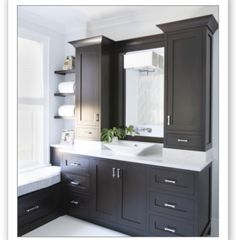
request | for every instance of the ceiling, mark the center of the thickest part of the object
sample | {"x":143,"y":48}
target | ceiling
{"x":64,"y":18}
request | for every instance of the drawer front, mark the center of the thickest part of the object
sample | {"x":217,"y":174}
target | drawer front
{"x":165,"y":226}
{"x":38,"y":204}
{"x":173,"y":181}
{"x":77,"y":205}
{"x":88,"y":132}
{"x":75,"y":164}
{"x":172,"y":205}
{"x":184,"y":140}
{"x":76,"y":183}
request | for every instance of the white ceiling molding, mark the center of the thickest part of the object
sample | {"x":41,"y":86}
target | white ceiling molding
{"x":69,"y":20}
{"x":25,"y":16}
{"x":154,"y":15}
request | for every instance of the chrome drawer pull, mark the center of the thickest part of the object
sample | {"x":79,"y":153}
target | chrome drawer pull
{"x":74,"y":183}
{"x":75,"y":164}
{"x":168,"y":229}
{"x":168,"y":120}
{"x":118,"y":172}
{"x":32,"y":209}
{"x":182,"y":140}
{"x":169,"y":205}
{"x":113,"y":172}
{"x":170,"y":181}
{"x":74,"y":202}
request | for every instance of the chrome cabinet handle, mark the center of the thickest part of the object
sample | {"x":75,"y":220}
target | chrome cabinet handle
{"x":168,"y":120}
{"x":182,"y":140}
{"x":169,"y":205}
{"x":170,"y":181}
{"x":90,"y":132}
{"x":168,"y":229}
{"x":118,"y":172}
{"x":97,"y":117}
{"x":75,"y":164}
{"x":74,"y":183}
{"x":74,"y":202}
{"x":113,"y":172}
{"x":32,"y":209}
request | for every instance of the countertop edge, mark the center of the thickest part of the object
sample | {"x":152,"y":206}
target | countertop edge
{"x":195,"y":166}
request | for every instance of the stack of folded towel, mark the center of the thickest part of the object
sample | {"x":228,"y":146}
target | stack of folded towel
{"x":66,"y":87}
{"x":66,"y":110}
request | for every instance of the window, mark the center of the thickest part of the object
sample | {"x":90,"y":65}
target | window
{"x":32,"y":104}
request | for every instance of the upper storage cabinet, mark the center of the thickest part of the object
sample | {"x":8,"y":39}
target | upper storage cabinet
{"x":92,"y":95}
{"x":188,"y":77}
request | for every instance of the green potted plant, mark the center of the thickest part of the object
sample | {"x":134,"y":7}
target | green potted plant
{"x":115,"y":134}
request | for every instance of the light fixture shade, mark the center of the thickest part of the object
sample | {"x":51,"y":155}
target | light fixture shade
{"x":143,"y":60}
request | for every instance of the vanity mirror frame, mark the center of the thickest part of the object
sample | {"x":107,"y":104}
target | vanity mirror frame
{"x":119,"y":85}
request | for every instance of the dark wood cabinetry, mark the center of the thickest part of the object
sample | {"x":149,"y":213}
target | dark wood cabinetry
{"x":116,"y":196}
{"x":104,"y":190}
{"x":137,"y":199}
{"x":179,"y":202}
{"x":38,"y":208}
{"x":92,"y":93}
{"x":76,"y":195}
{"x":188,"y":79}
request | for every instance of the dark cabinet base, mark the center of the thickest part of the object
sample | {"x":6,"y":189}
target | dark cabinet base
{"x":38,"y":208}
{"x":23,"y":229}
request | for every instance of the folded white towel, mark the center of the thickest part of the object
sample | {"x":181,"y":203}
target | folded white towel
{"x":66,"y":110}
{"x":66,"y":87}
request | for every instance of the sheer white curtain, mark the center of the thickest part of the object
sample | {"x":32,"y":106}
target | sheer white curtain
{"x":31,"y":104}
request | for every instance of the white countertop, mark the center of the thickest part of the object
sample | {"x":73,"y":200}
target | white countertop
{"x":164,"y":157}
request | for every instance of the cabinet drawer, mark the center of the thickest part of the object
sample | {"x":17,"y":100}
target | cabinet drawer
{"x":38,"y":204}
{"x":170,"y":180}
{"x":88,"y":133}
{"x":166,"y":226}
{"x":77,"y":205}
{"x":183,"y":140}
{"x":76,"y":183}
{"x":172,"y":205}
{"x":75,"y":164}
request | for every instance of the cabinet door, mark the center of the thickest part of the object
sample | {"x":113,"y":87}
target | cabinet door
{"x":104,"y":190}
{"x":184,"y":82}
{"x":132,"y":189}
{"x":87,"y":86}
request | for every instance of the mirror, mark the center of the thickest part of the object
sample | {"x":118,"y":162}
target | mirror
{"x":144,"y":91}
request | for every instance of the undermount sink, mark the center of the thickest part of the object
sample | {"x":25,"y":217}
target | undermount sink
{"x":129,"y":148}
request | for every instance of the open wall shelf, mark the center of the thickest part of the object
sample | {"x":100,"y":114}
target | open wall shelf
{"x":61,"y":117}
{"x":63,"y":94}
{"x":64,"y":72}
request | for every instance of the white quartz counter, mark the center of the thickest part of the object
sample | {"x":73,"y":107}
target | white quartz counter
{"x":159,"y":156}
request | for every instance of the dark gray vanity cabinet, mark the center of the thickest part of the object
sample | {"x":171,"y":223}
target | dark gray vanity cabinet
{"x":137,"y":199}
{"x":188,"y":78}
{"x":119,"y":194}
{"x":179,"y":202}
{"x":92,"y":94}
{"x":38,"y":208}
{"x":76,"y":195}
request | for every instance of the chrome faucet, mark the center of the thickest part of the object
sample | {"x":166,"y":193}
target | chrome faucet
{"x":142,"y":129}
